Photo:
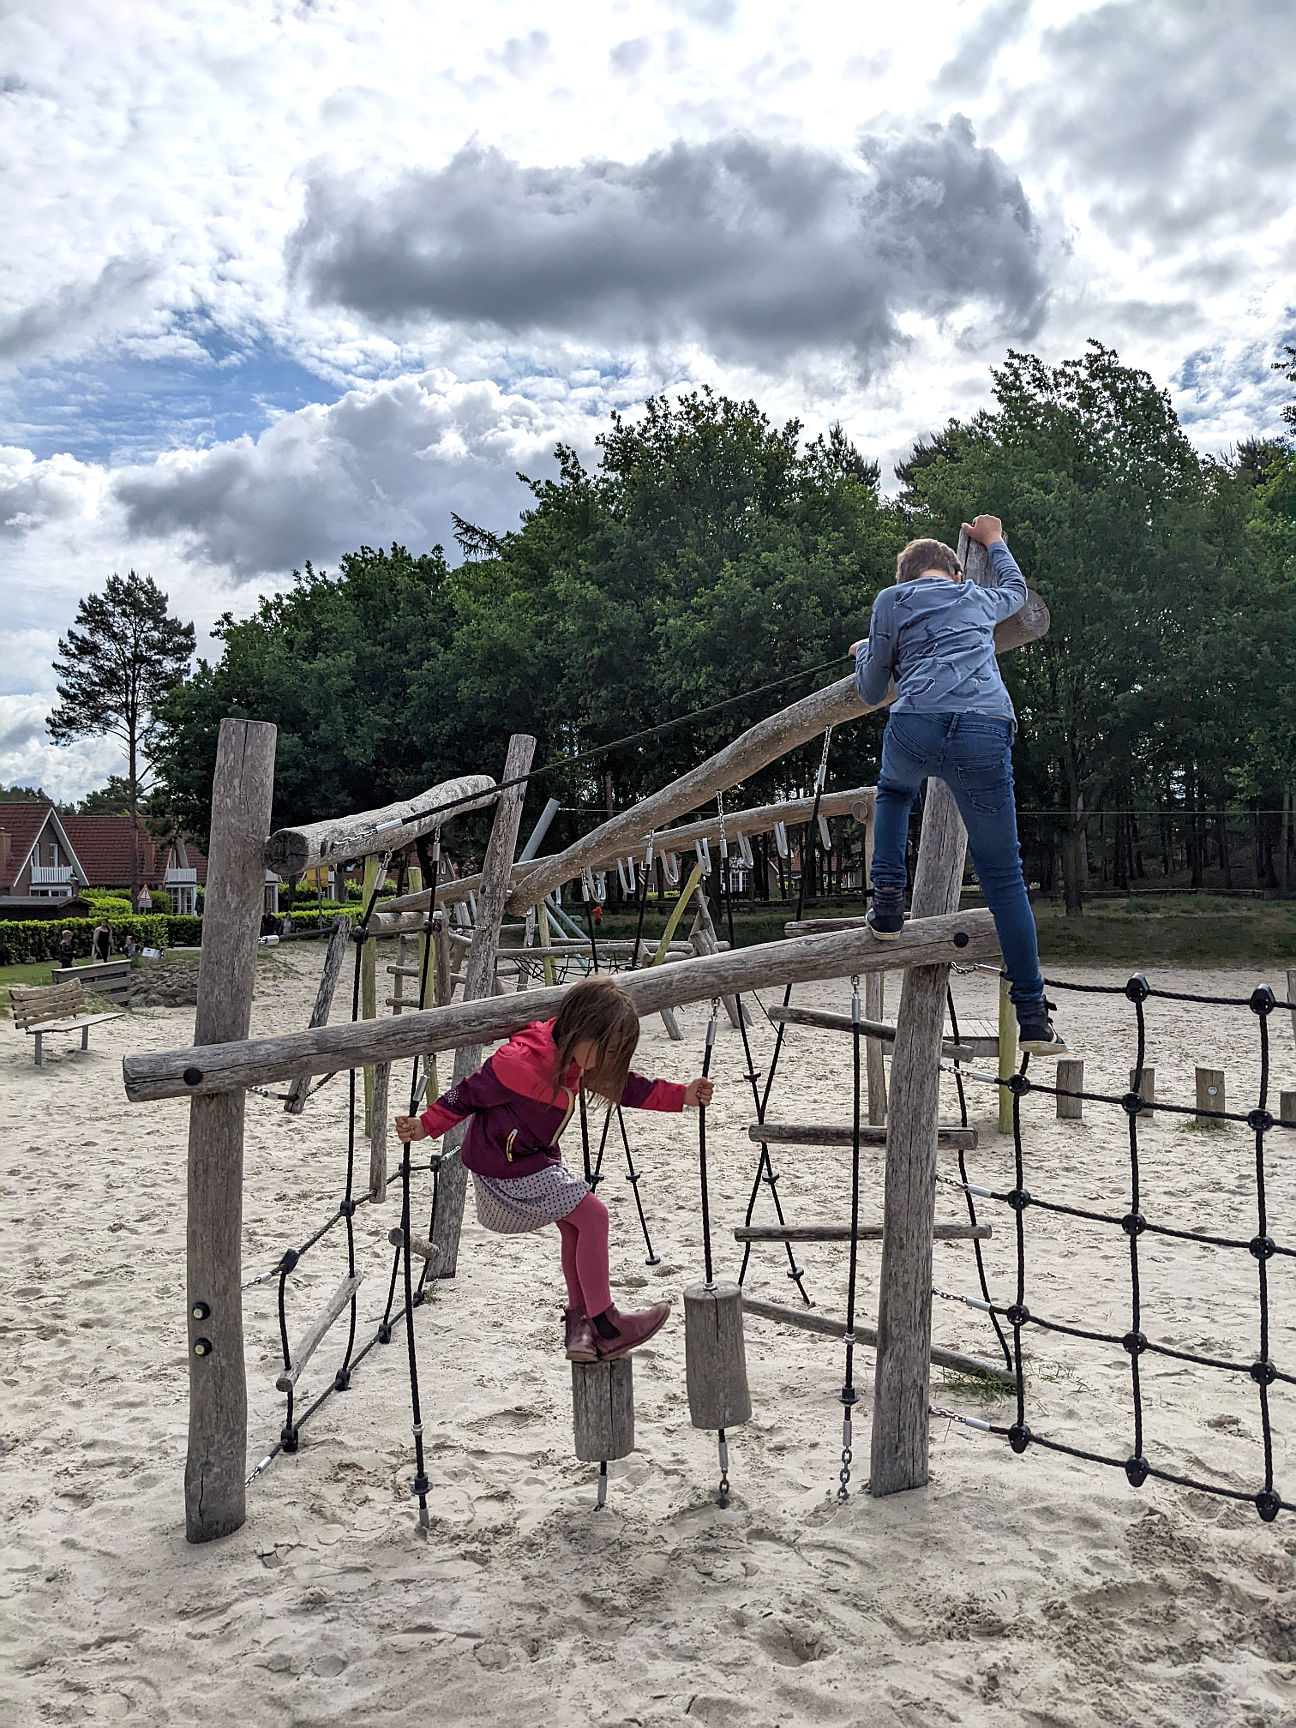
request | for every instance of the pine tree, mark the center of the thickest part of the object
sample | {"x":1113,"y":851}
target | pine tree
{"x":114,"y":670}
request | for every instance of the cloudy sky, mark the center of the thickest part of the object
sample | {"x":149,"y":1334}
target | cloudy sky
{"x":286,"y":278}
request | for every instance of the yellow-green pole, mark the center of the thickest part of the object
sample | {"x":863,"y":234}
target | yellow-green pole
{"x":672,"y":923}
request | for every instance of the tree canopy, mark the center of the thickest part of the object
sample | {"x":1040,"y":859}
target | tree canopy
{"x":708,"y":552}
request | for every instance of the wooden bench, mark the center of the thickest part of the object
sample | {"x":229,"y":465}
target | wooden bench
{"x":109,"y":978}
{"x":39,"y":1009}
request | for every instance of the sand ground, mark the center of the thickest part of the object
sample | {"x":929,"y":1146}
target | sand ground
{"x":1012,"y":1591}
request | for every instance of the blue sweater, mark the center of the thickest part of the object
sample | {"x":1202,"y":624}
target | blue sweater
{"x":935,"y":639}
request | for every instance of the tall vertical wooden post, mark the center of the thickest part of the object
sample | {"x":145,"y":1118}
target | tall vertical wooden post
{"x":373,"y":874}
{"x":479,"y":981}
{"x":215,"y":1499}
{"x":874,"y":1009}
{"x":900,"y":1394}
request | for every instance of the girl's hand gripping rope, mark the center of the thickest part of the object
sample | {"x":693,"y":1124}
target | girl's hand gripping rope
{"x":410,"y":1128}
{"x":699,"y":1091}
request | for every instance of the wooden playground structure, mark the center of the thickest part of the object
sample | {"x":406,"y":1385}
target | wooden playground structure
{"x":469,"y":980}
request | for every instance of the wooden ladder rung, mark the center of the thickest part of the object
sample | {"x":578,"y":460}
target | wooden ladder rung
{"x":842,"y":1134}
{"x":842,"y":1233}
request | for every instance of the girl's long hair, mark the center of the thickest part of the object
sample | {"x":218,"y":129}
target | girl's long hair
{"x":597,"y":1011}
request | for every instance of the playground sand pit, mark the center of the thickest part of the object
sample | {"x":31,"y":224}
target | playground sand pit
{"x":1017,"y":1590}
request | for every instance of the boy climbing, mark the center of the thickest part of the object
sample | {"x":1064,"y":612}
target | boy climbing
{"x":932,"y":634}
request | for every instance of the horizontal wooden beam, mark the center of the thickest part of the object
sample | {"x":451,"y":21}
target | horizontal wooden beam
{"x":291,"y":851}
{"x":868,"y":1028}
{"x":807,"y":1320}
{"x":752,"y":750}
{"x":326,"y":1049}
{"x":842,"y":1233}
{"x":836,"y":1134}
{"x":856,"y":801}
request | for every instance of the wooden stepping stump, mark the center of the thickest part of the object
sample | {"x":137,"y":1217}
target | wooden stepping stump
{"x":603,"y":1409}
{"x":715,"y":1356}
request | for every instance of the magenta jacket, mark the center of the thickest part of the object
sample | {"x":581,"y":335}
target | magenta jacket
{"x":516,"y":1117}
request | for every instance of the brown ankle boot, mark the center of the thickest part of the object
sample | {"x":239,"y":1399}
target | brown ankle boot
{"x":632,"y":1330}
{"x":579,"y":1336}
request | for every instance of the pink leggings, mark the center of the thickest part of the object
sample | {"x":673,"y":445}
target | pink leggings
{"x":584,"y":1233}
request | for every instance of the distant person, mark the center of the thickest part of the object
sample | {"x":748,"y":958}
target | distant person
{"x":102,"y":941}
{"x":932,"y":634}
{"x":130,"y":947}
{"x":67,"y":948}
{"x":596,"y":913}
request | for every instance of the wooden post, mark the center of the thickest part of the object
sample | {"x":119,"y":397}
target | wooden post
{"x":369,"y":976}
{"x":443,"y":961}
{"x":1146,"y":1087}
{"x":603,"y":1409}
{"x":704,"y":941}
{"x":715,"y":1357}
{"x":378,"y":1132}
{"x":1007,"y":1053}
{"x":339,"y":942}
{"x":900,"y":1397}
{"x":1287,"y":1103}
{"x":242,"y":790}
{"x":479,"y":981}
{"x":1210,"y":1096}
{"x":1070,"y":1078}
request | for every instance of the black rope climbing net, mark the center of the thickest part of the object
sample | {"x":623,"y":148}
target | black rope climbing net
{"x":294,"y":1420}
{"x":1262,"y":1247}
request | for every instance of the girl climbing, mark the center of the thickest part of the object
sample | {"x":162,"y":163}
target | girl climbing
{"x":520,"y":1100}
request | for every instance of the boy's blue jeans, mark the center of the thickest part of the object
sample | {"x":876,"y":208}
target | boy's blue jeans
{"x":972,"y":754}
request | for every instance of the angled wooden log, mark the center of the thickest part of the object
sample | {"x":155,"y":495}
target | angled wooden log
{"x":242,"y":789}
{"x":479,"y":982}
{"x":291,"y":851}
{"x":842,"y":1233}
{"x":334,"y":954}
{"x":878,"y":1029}
{"x":340,"y":1299}
{"x":754,"y":749}
{"x":899,"y":1438}
{"x":837,"y":1134}
{"x":808,"y":1320}
{"x":962,"y":936}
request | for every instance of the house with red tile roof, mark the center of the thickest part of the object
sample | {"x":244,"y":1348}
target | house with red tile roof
{"x":40,"y":871}
{"x":104,"y":846}
{"x":46,"y":857}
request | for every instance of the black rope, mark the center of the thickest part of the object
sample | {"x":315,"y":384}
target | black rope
{"x":765,"y":1171}
{"x":1264,"y":1372}
{"x":848,"y":1393}
{"x":702,"y":1152}
{"x":967,"y":1192}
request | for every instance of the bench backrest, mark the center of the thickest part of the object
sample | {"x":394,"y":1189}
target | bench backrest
{"x":35,"y":1003}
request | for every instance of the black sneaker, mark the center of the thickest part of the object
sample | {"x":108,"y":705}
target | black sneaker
{"x":885,"y":917}
{"x":1035,"y":1031}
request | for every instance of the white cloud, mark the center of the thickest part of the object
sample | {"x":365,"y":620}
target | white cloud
{"x":388,"y":461}
{"x":159,"y":157}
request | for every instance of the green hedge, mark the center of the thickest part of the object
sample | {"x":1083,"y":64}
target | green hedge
{"x":26,"y":939}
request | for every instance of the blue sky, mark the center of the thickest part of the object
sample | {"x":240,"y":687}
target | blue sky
{"x":285,"y":278}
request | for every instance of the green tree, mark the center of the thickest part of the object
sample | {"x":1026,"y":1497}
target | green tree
{"x":111,"y":799}
{"x":706,"y":552}
{"x":116,"y":667}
